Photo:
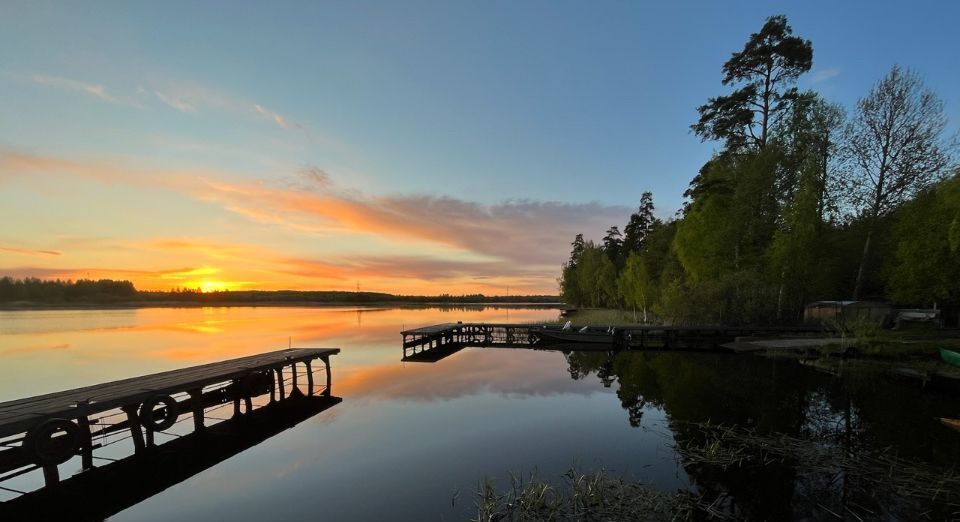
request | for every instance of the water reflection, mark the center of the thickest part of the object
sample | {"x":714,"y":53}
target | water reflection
{"x":410,"y":436}
{"x":850,"y":420}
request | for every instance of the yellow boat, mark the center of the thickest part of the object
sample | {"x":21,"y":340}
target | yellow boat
{"x":951,"y":423}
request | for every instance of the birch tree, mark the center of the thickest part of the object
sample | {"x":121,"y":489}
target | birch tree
{"x":895,"y":148}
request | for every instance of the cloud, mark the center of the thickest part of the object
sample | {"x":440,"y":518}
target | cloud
{"x":191,"y":98}
{"x":270,"y":115}
{"x":523,"y":231}
{"x":92,"y":89}
{"x":823,"y":75}
{"x":29,"y":251}
{"x":191,"y":273}
{"x":185,"y":97}
{"x":516,"y":243}
{"x":176,"y":103}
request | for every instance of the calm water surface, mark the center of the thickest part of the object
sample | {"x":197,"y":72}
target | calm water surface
{"x":409,"y":438}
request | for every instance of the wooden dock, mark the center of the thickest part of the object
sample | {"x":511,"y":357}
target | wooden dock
{"x":47,"y":430}
{"x":432,"y":343}
{"x":104,"y":491}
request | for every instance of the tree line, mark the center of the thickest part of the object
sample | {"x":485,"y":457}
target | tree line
{"x":801,"y":202}
{"x":33,"y":290}
{"x":89,"y":290}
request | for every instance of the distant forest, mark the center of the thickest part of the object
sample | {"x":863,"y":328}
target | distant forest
{"x":108,"y":291}
{"x":801,"y":202}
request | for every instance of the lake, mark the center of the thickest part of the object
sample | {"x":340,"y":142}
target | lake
{"x":412,"y":441}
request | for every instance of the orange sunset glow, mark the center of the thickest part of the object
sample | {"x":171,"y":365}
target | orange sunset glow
{"x":208,"y":229}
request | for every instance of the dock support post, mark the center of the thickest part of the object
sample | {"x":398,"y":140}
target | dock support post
{"x":309,"y":365}
{"x":86,"y":447}
{"x":51,"y":475}
{"x":196,"y":400}
{"x":273,"y":388}
{"x":326,"y":363}
{"x":283,"y":393}
{"x":236,"y":397}
{"x":136,"y":431}
{"x":294,"y":390}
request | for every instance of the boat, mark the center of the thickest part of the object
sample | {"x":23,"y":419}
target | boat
{"x":587,"y":334}
{"x":950,"y":356}
{"x":951,"y":423}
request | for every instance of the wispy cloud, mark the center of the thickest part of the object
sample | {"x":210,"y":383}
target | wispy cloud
{"x":823,"y":75}
{"x":29,"y":251}
{"x":92,"y":89}
{"x":184,"y":97}
{"x":193,"y":98}
{"x":270,"y":115}
{"x":175,"y":103}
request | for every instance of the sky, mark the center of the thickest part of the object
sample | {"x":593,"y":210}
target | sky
{"x":409,"y":147}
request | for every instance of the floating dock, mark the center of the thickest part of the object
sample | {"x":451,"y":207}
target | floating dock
{"x":45,"y":431}
{"x":432,"y":343}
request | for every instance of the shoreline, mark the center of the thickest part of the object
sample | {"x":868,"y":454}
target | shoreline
{"x":129,"y":305}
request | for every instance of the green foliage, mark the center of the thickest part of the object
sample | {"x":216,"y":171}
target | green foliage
{"x":764,"y":229}
{"x":613,"y":246}
{"x":638,"y":228}
{"x":925,"y":267}
{"x":636,"y":286}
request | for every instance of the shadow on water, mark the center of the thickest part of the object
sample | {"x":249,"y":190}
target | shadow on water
{"x":834,"y":421}
{"x":106,"y":490}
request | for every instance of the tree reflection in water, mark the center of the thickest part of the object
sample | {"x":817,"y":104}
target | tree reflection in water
{"x":857,"y":416}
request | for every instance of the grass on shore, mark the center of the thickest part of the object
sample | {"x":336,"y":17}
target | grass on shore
{"x":594,"y":496}
{"x":893,"y":483}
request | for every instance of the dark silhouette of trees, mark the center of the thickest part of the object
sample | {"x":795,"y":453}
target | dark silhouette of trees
{"x":640,"y":224}
{"x":82,"y":290}
{"x":765,"y":70}
{"x":613,"y":245}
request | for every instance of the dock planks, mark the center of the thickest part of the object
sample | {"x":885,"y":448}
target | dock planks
{"x":20,"y":415}
{"x":432,"y":343}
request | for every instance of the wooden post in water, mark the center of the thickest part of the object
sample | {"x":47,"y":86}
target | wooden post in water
{"x":273,"y":388}
{"x":135,"y":430}
{"x":196,"y":400}
{"x":326,"y":362}
{"x":283,"y":393}
{"x":51,"y":475}
{"x":294,"y":390}
{"x":236,"y":397}
{"x":309,"y":376}
{"x":86,"y":447}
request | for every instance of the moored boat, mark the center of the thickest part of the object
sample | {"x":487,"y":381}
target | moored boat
{"x":950,"y":356}
{"x":589,"y":335}
{"x":951,"y":423}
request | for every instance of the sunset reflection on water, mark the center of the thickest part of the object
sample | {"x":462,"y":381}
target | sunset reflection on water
{"x":439,"y":427}
{"x":52,"y":350}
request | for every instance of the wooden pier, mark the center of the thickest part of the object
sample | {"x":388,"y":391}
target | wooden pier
{"x":45,"y":431}
{"x":106,"y":490}
{"x":432,"y":343}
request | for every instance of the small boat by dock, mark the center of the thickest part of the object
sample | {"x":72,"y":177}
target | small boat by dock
{"x":950,"y":357}
{"x":951,"y":423}
{"x":585,"y":335}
